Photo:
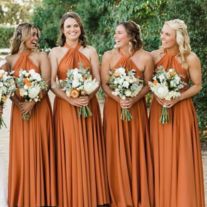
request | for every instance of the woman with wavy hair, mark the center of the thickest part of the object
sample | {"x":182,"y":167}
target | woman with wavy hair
{"x":175,"y":145}
{"x":81,"y":168}
{"x":32,"y":178}
{"x":129,"y":163}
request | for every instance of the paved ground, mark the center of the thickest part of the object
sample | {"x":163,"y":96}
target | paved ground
{"x":4,"y":144}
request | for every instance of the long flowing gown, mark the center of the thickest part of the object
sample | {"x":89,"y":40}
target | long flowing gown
{"x":81,"y":161}
{"x":176,"y":150}
{"x":129,"y":162}
{"x":32,"y":179}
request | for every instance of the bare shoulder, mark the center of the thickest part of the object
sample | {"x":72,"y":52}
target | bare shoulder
{"x":145,"y":55}
{"x":192,"y":59}
{"x":55,"y":50}
{"x":109,"y":54}
{"x":43,"y":54}
{"x":11,"y":58}
{"x":90,"y":48}
{"x":157,"y":55}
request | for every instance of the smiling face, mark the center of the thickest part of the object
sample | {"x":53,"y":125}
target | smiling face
{"x":32,"y":41}
{"x":121,"y":37}
{"x":168,"y":37}
{"x":71,"y":29}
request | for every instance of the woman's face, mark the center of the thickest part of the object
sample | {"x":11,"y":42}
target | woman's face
{"x":168,"y":37}
{"x":71,"y":29}
{"x":32,"y":41}
{"x":121,"y":37}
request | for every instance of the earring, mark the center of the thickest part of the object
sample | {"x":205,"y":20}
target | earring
{"x":130,"y":47}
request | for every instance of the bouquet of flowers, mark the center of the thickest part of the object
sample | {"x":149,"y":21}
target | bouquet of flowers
{"x":124,"y":84}
{"x":7,"y":89}
{"x":79,"y":82}
{"x":30,"y":84}
{"x":166,"y":85}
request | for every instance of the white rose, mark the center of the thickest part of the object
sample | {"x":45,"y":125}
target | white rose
{"x":125,"y":84}
{"x":22,"y":92}
{"x":34,"y":91}
{"x":121,"y":71}
{"x":90,"y":86}
{"x":162,"y":91}
{"x":75,"y":83}
{"x":128,"y":93}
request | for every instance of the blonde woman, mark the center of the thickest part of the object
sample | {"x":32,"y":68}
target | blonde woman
{"x":31,"y":161}
{"x":175,"y":145}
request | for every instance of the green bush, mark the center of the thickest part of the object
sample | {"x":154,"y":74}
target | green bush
{"x":100,"y":19}
{"x":5,"y":36}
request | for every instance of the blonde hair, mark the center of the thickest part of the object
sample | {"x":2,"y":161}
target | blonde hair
{"x":182,"y":38}
{"x":21,"y":34}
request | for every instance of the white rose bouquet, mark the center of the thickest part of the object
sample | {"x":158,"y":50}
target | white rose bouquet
{"x":7,"y":89}
{"x":30,"y":84}
{"x":166,"y":85}
{"x":79,"y":82}
{"x":124,"y":84}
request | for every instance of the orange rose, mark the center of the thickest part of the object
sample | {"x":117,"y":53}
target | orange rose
{"x":27,"y":82}
{"x":74,"y":93}
{"x":155,"y":82}
{"x":116,"y":74}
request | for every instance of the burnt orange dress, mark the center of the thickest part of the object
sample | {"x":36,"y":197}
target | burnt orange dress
{"x":129,"y":163}
{"x":81,"y":161}
{"x":176,"y":150}
{"x":31,"y":160}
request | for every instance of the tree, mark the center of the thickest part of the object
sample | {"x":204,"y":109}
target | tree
{"x":47,"y":16}
{"x":14,"y":12}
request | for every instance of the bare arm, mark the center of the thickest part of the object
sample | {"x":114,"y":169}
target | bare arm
{"x":95,"y":68}
{"x":105,"y":67}
{"x":45,"y":67}
{"x":195,"y":76}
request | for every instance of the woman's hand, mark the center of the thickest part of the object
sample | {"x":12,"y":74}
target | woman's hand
{"x":128,"y":103}
{"x":79,"y":102}
{"x":167,"y":104}
{"x":26,"y":107}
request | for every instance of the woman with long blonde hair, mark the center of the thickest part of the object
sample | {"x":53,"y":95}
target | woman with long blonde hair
{"x":175,"y":145}
{"x":32,"y":179}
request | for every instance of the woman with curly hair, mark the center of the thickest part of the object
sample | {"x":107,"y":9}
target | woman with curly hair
{"x":32,"y":178}
{"x":129,"y":163}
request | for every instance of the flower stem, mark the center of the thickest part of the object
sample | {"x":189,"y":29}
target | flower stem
{"x":164,"y":118}
{"x":126,"y":115}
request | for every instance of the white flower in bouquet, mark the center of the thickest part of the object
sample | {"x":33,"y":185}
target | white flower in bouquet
{"x":128,"y":93}
{"x":7,"y":88}
{"x":35,"y":76}
{"x":76,"y":83}
{"x":90,"y":86}
{"x":34,"y":92}
{"x":161,"y":91}
{"x":23,"y":92}
{"x":126,"y":84}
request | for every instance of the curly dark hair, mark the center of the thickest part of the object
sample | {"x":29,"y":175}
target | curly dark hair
{"x":134,"y":32}
{"x":62,"y":38}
